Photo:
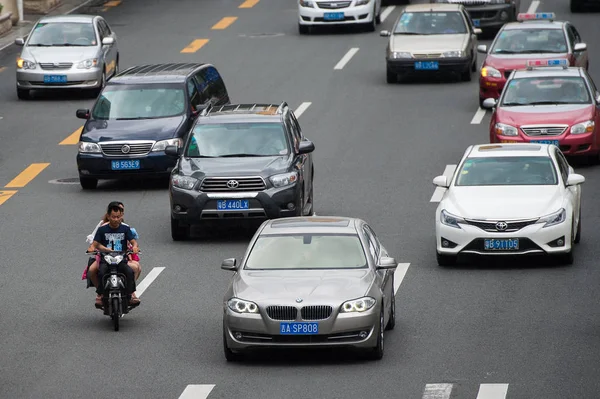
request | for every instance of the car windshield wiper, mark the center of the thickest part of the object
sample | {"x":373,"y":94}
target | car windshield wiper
{"x":542,"y":52}
{"x":513,"y":104}
{"x":39,"y":45}
{"x":548,"y":102}
{"x":504,"y":52}
{"x":409,"y":33}
{"x":131,"y":119}
{"x":241,"y":155}
{"x":68,"y":45}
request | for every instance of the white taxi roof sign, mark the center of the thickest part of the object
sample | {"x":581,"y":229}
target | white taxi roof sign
{"x":538,"y":16}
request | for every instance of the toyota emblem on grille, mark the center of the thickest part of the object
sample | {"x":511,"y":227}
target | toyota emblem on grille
{"x":125,"y":149}
{"x":501,"y":226}
{"x":299,"y":300}
{"x":232,"y":184}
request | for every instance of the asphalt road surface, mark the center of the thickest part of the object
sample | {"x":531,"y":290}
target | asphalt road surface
{"x":481,"y":331}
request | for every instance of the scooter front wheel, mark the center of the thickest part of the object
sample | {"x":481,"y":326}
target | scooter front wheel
{"x":115,"y":313}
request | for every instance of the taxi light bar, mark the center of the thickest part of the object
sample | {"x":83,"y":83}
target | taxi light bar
{"x":538,"y":16}
{"x":547,"y":63}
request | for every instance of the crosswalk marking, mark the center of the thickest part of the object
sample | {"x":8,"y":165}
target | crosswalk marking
{"x":197,"y":391}
{"x":437,"y":391}
{"x":439,"y":191}
{"x":492,"y":391}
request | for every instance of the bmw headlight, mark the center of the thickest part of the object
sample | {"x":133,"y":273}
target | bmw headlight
{"x":307,"y":3}
{"x":162,"y":144}
{"x":583,"y":127}
{"x":113,"y":260}
{"x":240,"y":306}
{"x":358,"y":305}
{"x":454,"y":54}
{"x":87,"y":64}
{"x":25,"y":64}
{"x":450,"y":220}
{"x":505,"y":130}
{"x":488,"y":71}
{"x":89,"y":147}
{"x":554,"y":218}
{"x":185,"y":182}
{"x":400,"y":54}
{"x":362,"y":2}
{"x":284,"y":179}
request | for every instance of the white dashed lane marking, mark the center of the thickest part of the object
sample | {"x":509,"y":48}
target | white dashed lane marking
{"x":439,"y":191}
{"x":437,"y":391}
{"x":399,"y":275}
{"x":533,"y":7}
{"x":386,"y":13}
{"x":346,"y":58}
{"x":197,"y":391}
{"x":492,"y":391}
{"x":149,"y":279}
{"x":478,"y":116}
{"x":301,"y":108}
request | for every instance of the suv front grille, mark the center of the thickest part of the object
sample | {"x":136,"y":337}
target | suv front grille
{"x":282,"y":312}
{"x":544,"y":130}
{"x":58,"y":65}
{"x":334,"y":5}
{"x":126,"y":149}
{"x":316,"y":312}
{"x":490,"y":226}
{"x":231,"y":184}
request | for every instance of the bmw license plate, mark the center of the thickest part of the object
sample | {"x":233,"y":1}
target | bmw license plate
{"x":55,"y":78}
{"x":130,"y":164}
{"x":476,"y":23}
{"x":555,"y":142}
{"x":232,"y":205}
{"x":333,"y":16}
{"x":427,"y":66}
{"x":298,"y":328}
{"x":493,"y":244}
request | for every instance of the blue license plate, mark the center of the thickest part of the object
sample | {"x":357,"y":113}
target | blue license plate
{"x":427,"y":66}
{"x":476,"y":23}
{"x":232,"y":205}
{"x":494,"y":244}
{"x":55,"y":78}
{"x":555,"y":142}
{"x":298,"y":328}
{"x":129,"y":164}
{"x":333,"y":16}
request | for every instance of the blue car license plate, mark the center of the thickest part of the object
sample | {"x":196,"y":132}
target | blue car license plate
{"x":494,"y":244}
{"x":298,"y":328}
{"x":333,"y":16}
{"x":55,"y":78}
{"x":427,"y":66}
{"x":232,"y":205}
{"x":555,"y":142}
{"x":130,"y":164}
{"x":476,"y":23}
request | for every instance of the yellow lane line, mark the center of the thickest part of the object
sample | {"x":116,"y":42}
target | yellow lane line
{"x":27,"y":175}
{"x":248,"y":3}
{"x":195,"y":46}
{"x":224,"y":23}
{"x":112,"y":3}
{"x":73,"y":138}
{"x":5,"y":195}
{"x":2,"y":69}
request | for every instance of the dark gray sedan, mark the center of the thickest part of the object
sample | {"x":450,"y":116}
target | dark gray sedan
{"x":310,"y":281}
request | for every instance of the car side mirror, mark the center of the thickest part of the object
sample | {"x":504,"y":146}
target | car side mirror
{"x":441,"y":181}
{"x":172,"y":150}
{"x":107,"y":41}
{"x":19,"y":41}
{"x":489,"y":103}
{"x":482,"y":48}
{"x":306,"y":147}
{"x":83,"y":113}
{"x":598,"y":98}
{"x":387,"y":263}
{"x":575,"y":179}
{"x":477,"y":31}
{"x":580,"y":47}
{"x":229,"y":264}
{"x":385,"y":33}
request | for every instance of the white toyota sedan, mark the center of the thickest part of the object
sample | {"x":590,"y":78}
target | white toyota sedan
{"x":338,"y":12}
{"x":509,"y":199}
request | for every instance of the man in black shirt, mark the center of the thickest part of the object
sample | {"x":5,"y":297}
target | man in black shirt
{"x":113,"y":237}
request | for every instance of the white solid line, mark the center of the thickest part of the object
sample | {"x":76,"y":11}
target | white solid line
{"x":300,"y":110}
{"x":386,"y":13}
{"x":149,"y":279}
{"x":439,"y":191}
{"x":346,"y":58}
{"x":533,"y":6}
{"x":399,"y":275}
{"x":492,"y":391}
{"x":478,"y":116}
{"x":437,"y":391}
{"x":197,"y":391}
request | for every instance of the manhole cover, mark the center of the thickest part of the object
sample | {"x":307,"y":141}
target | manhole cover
{"x":68,"y":180}
{"x":264,"y":35}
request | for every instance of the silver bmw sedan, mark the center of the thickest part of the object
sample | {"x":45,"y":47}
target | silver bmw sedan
{"x":310,"y":281}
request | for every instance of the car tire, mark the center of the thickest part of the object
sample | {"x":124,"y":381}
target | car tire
{"x":481,"y":100}
{"x":378,"y":17}
{"x":474,"y":65}
{"x":391,"y":77}
{"x":303,"y":29}
{"x":578,"y":234}
{"x":23,"y":94}
{"x":371,"y":26}
{"x":300,"y":206}
{"x":467,"y":74}
{"x":392,"y":321}
{"x":376,"y":353}
{"x":88,"y":183}
{"x":230,"y":355}
{"x":96,"y":92}
{"x":445,"y":260}
{"x":179,"y":232}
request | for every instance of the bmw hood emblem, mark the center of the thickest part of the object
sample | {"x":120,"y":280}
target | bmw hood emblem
{"x":298,"y":300}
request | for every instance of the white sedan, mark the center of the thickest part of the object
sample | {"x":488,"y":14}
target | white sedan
{"x":338,"y":12}
{"x":509,"y":199}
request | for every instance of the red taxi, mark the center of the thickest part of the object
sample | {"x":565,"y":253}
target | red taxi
{"x":515,"y":43}
{"x":550,"y":103}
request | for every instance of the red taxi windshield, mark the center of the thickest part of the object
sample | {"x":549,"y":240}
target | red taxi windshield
{"x":530,"y":41}
{"x":546,"y":90}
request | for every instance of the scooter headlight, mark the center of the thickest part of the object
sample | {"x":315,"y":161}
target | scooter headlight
{"x":113,"y":260}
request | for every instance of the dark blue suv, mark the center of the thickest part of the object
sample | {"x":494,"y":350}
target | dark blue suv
{"x":139,"y":113}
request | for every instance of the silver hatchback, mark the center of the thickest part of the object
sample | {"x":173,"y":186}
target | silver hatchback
{"x":67,"y":52}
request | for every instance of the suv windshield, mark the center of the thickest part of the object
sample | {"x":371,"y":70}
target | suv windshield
{"x":238,"y":139}
{"x":63,"y":34}
{"x":507,"y":171}
{"x":307,"y":251}
{"x":546,"y":90}
{"x":430,"y":23}
{"x":530,"y":41}
{"x":139,"y":102}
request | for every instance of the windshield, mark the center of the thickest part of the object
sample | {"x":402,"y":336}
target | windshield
{"x":238,"y":139}
{"x":507,"y":171}
{"x":124,"y":102}
{"x":530,"y":41}
{"x":307,"y":251}
{"x":546,"y":90}
{"x":430,"y":23}
{"x":57,"y":34}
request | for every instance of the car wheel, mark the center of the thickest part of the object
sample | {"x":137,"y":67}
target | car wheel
{"x":392,"y":321}
{"x":466,"y":76}
{"x":311,"y":210}
{"x":300,"y":206}
{"x":578,"y":234}
{"x":391,"y":77}
{"x":230,"y":355}
{"x":371,"y":26}
{"x":378,"y":16}
{"x":481,"y":100}
{"x":116,"y":71}
{"x":445,"y":260}
{"x":474,"y":65}
{"x":179,"y":232}
{"x":303,"y":29}
{"x":377,"y":352}
{"x":96,"y":92}
{"x":23,"y":94}
{"x":87,"y":183}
